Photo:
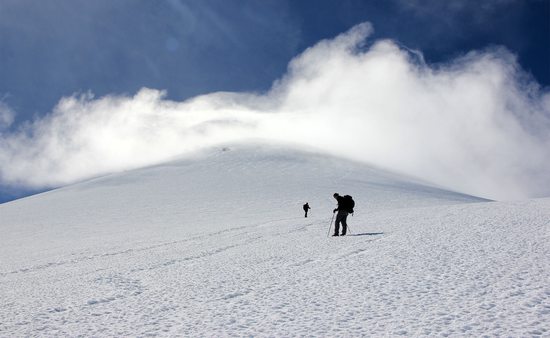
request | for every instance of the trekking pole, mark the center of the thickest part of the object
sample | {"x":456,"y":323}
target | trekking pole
{"x":328,"y":233}
{"x":349,"y":229}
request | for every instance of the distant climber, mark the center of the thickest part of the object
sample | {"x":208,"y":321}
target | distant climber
{"x":306,"y":208}
{"x":345,"y":207}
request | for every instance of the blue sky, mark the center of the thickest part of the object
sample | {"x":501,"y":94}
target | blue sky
{"x":54,"y":49}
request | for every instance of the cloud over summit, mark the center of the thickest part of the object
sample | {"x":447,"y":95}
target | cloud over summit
{"x":477,"y":124}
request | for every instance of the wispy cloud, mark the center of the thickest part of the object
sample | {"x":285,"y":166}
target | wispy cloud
{"x":477,"y":124}
{"x":451,"y":8}
{"x":6,"y":116}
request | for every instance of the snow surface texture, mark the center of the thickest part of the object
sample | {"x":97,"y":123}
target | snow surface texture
{"x":217,"y":245}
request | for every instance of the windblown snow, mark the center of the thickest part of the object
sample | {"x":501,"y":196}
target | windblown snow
{"x":217,"y":245}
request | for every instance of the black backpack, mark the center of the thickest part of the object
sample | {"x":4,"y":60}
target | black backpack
{"x":349,"y":203}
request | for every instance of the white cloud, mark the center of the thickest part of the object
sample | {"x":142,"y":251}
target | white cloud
{"x":6,"y":116}
{"x":476,"y":125}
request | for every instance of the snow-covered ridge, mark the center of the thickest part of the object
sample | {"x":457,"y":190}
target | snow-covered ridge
{"x":217,"y":245}
{"x":215,"y":190}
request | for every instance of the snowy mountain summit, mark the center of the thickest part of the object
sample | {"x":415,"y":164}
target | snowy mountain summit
{"x":217,"y":245}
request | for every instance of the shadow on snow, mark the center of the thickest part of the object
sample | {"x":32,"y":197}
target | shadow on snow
{"x":367,"y":234}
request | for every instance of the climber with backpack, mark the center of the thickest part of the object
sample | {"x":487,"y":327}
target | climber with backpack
{"x":306,"y":208}
{"x":345,"y":207}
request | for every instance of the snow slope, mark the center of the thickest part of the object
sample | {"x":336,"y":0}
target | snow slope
{"x":217,"y":245}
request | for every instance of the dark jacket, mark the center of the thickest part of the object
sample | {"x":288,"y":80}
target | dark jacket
{"x":341,"y":204}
